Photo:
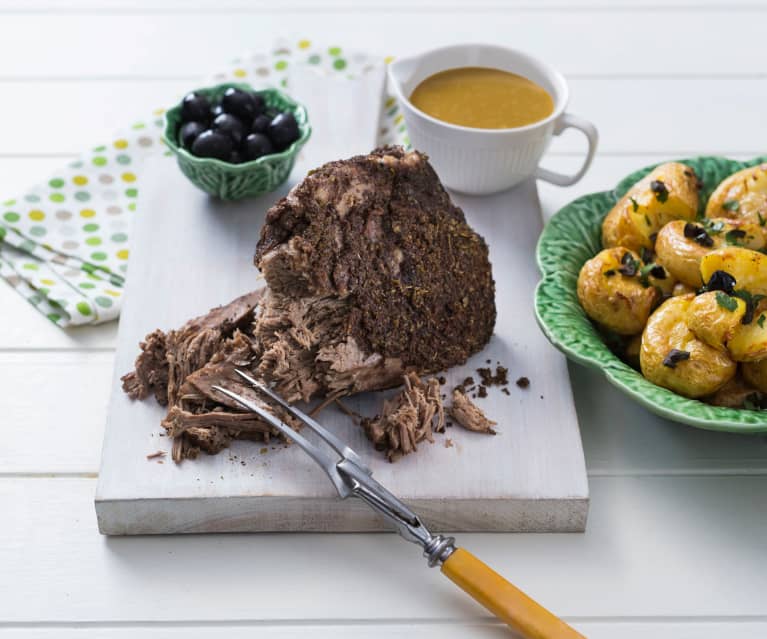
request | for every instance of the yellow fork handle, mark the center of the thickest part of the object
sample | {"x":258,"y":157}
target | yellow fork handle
{"x":505,"y":601}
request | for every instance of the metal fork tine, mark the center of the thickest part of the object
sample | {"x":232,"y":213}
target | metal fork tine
{"x":334,"y":442}
{"x":320,"y":457}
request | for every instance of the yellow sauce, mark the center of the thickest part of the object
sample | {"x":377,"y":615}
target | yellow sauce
{"x":482,"y":98}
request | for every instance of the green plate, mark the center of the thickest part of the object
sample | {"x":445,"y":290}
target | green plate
{"x":572,"y":237}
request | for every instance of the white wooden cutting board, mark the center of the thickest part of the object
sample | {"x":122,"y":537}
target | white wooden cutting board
{"x":191,"y":252}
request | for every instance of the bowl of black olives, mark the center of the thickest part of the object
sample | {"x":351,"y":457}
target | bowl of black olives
{"x":234,"y":142}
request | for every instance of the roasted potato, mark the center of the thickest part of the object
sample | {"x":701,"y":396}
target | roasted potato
{"x":612,"y":298}
{"x":743,"y":195}
{"x":714,"y":317}
{"x":668,"y":192}
{"x":749,"y":268}
{"x":620,"y":229}
{"x":680,"y":250}
{"x":680,"y":288}
{"x":755,"y":373}
{"x":673,"y":357}
{"x":749,"y":341}
{"x":733,"y":394}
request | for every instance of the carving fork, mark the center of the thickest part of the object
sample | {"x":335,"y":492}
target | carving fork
{"x":352,"y":478}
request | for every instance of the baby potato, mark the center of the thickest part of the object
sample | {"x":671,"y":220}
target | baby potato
{"x":620,"y":229}
{"x":749,"y":268}
{"x":680,"y":255}
{"x":742,"y":195}
{"x":681,"y":289}
{"x":673,"y":357}
{"x":710,"y":318}
{"x":668,"y":192}
{"x":733,"y":394}
{"x":755,"y":373}
{"x":749,"y":341}
{"x":616,"y":301}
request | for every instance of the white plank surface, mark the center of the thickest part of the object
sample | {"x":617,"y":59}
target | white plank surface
{"x":690,"y":506}
{"x":689,"y":108}
{"x":628,"y":565}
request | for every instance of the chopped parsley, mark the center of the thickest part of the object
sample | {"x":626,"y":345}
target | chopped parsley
{"x":760,"y":321}
{"x":726,"y":302}
{"x":731,"y":205}
{"x":647,"y":220}
{"x":656,"y":270}
{"x":675,"y":356}
{"x":714,"y":228}
{"x":660,"y":189}
{"x":762,"y":219}
{"x":634,"y":204}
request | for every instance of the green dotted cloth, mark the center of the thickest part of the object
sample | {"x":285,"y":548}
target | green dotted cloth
{"x":65,"y":243}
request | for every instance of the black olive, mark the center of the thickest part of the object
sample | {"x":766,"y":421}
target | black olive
{"x":188,"y":133}
{"x":211,"y":144}
{"x":283,"y":130}
{"x":699,"y":234}
{"x":216,"y":111}
{"x":231,"y":126}
{"x":256,"y":145}
{"x":195,"y":108}
{"x":721,"y":281}
{"x":258,"y":101}
{"x":236,"y":157}
{"x":261,"y":123}
{"x":239,"y":103}
{"x":674,"y":357}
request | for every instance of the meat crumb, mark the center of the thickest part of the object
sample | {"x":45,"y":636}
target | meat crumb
{"x":499,"y":378}
{"x":523,"y":382}
{"x":505,"y":391}
{"x":482,"y":391}
{"x":264,"y":450}
{"x":158,"y":455}
{"x":448,"y":443}
{"x":469,"y":381}
{"x":442,"y":381}
{"x":469,"y":415}
{"x":408,"y":418}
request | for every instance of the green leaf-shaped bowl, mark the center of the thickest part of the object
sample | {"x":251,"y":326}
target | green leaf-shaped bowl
{"x":236,"y":181}
{"x":572,"y":237}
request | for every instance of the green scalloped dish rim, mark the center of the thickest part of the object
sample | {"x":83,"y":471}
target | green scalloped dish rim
{"x":173,"y":119}
{"x":572,"y":237}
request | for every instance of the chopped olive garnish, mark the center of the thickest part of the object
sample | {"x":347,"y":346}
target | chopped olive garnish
{"x":609,"y":272}
{"x":658,"y":272}
{"x":660,"y":189}
{"x":675,"y":356}
{"x":698,"y":233}
{"x":646,"y":255}
{"x":629,"y":265}
{"x":721,"y":281}
{"x":734,"y":236}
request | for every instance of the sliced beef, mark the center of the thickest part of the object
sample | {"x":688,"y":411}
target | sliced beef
{"x":377,"y":243}
{"x":469,"y":415}
{"x":407,"y":419}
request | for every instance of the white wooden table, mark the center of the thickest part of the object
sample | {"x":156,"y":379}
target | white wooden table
{"x":677,"y":537}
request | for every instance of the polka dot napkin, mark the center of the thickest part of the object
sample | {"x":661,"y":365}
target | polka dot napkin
{"x":65,"y":243}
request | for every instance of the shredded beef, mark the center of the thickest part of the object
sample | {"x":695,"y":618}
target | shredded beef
{"x":469,"y":415}
{"x":407,"y":419}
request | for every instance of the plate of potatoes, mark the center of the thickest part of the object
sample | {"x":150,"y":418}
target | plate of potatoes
{"x":661,"y":284}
